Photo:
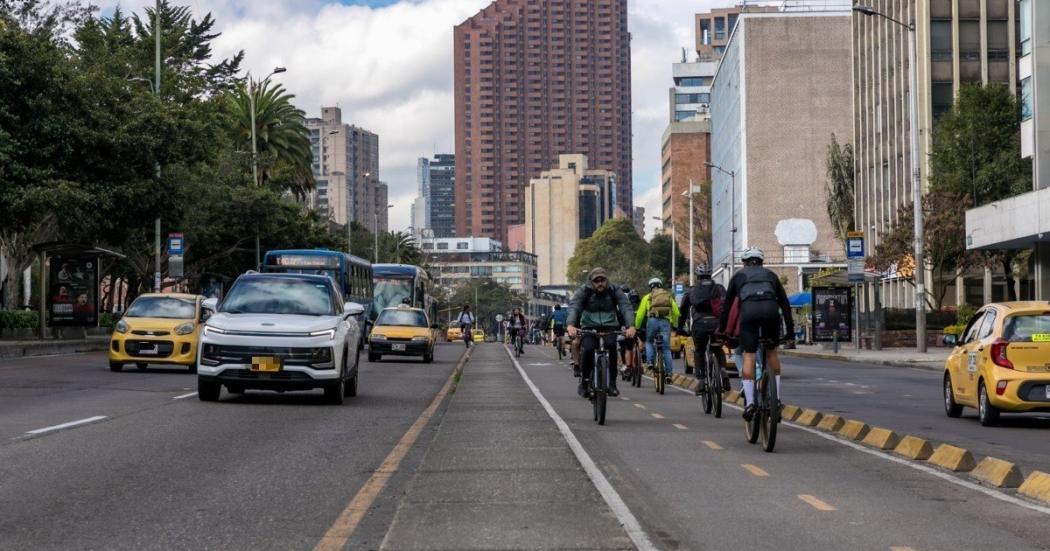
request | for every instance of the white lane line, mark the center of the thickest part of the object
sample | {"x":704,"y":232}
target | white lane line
{"x":190,"y":395}
{"x":656,"y":416}
{"x":917,"y":466}
{"x":680,"y":426}
{"x":67,"y":425}
{"x":639,"y":406}
{"x":612,"y":498}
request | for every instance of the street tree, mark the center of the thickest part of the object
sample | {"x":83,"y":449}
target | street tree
{"x":839,"y":167}
{"x":660,"y":257}
{"x":492,"y":298}
{"x":400,"y":248}
{"x":617,"y":248}
{"x":702,"y":235}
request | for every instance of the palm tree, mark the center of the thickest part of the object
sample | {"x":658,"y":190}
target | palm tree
{"x":839,"y":188}
{"x":400,"y":248}
{"x":283,"y":142}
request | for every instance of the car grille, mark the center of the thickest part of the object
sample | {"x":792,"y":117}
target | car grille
{"x":243,"y":354}
{"x":245,"y":375}
{"x":164,"y":348}
{"x":151,"y":333}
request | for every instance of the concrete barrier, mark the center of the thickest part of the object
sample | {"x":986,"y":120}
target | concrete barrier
{"x":881,"y":439}
{"x":740,"y":400}
{"x":1036,"y":486}
{"x":732,"y":396}
{"x":997,"y":473}
{"x":914,"y":448}
{"x":854,"y":430}
{"x":693,"y":385}
{"x":830,"y":423}
{"x":25,"y":349}
{"x":790,"y":413}
{"x":952,"y":458}
{"x":809,"y":417}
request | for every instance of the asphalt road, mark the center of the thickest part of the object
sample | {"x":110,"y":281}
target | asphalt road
{"x":909,"y":401}
{"x":695,"y":483}
{"x":163,"y":470}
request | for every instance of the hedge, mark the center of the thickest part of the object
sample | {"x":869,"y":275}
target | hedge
{"x":903,"y":319}
{"x":18,"y":319}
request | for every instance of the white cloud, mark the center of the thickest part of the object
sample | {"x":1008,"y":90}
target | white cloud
{"x":390,"y":70}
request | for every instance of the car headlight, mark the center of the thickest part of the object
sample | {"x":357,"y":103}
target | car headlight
{"x":121,"y":327}
{"x":185,"y":329}
{"x":209,"y":330}
{"x":330,"y":333}
{"x":378,"y":337}
{"x":420,"y":339}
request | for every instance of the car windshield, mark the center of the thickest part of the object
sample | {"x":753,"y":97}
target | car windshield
{"x":279,"y":296}
{"x":1033,"y":327}
{"x":162,"y":307}
{"x":405,"y":318}
{"x":390,"y":292}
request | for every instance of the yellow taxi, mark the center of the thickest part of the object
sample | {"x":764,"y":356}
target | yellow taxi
{"x":401,"y":331}
{"x":454,"y":334}
{"x":688,"y":352}
{"x":1001,"y":363}
{"x":678,"y":344}
{"x":479,"y":335}
{"x":158,"y":328}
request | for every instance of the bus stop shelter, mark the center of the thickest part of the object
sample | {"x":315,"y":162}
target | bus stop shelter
{"x":73,"y":299}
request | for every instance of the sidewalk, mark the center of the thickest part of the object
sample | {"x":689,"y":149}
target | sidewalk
{"x":499,"y":475}
{"x":903,"y":357}
{"x":24,"y":348}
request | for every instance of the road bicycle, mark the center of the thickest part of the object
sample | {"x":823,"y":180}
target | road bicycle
{"x":599,"y":383}
{"x":559,"y":343}
{"x":767,"y":403}
{"x":712,"y":397}
{"x":517,"y":340}
{"x":632,"y":365}
{"x":658,"y":362}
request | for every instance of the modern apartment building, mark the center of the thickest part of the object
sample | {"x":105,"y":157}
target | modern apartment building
{"x":442,"y":203}
{"x":779,"y":94}
{"x":534,"y":79}
{"x":563,"y":206}
{"x":421,"y":204}
{"x":346,"y":168}
{"x":686,"y":146}
{"x":713,"y":29}
{"x":958,"y":42}
{"x":638,"y":219}
{"x":1023,"y":222}
{"x":690,"y":97}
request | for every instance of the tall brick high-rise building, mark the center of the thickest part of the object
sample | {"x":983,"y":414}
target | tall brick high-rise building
{"x":535,"y":79}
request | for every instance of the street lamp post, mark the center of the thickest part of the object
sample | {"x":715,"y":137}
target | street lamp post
{"x":376,"y":228}
{"x":255,"y":151}
{"x":916,"y":183}
{"x":692,"y":259}
{"x":732,"y":214}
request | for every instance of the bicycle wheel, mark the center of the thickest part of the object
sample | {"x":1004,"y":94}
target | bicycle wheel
{"x":561,"y":351}
{"x":714,"y":384}
{"x":636,"y":369}
{"x":708,"y":395}
{"x":658,"y":372}
{"x":771,"y":411}
{"x":600,"y":389}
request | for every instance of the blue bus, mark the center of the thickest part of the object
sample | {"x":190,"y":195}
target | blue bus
{"x":351,"y":274}
{"x":392,"y":283}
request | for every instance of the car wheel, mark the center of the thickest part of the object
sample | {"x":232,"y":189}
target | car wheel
{"x":333,"y":394}
{"x":235,"y":390}
{"x":208,"y":391}
{"x":351,"y":387}
{"x":116,"y":366}
{"x":987,"y":413}
{"x":193,"y":368}
{"x":951,"y":408}
{"x":141,"y":365}
{"x":428,"y":357}
{"x":373,"y":357}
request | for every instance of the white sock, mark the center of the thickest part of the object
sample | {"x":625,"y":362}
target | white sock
{"x":779,"y":396}
{"x":749,"y":391}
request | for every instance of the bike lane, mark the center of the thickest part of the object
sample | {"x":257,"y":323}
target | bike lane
{"x":694,"y":482}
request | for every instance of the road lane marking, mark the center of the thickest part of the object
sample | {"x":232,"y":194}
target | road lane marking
{"x":900,"y":548}
{"x":816,"y":503}
{"x":67,"y":425}
{"x":713,"y":445}
{"x":656,"y":416}
{"x":639,"y":406}
{"x":339,"y":533}
{"x":680,"y":426}
{"x":616,"y":503}
{"x":755,"y":470}
{"x":185,"y":396}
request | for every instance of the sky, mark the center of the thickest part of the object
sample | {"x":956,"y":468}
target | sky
{"x":388,"y":65}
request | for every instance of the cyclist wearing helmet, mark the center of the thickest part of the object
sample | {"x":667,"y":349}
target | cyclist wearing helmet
{"x":600,"y":307}
{"x":658,"y":312}
{"x":628,"y":343}
{"x":703,"y":304}
{"x":763,"y":302}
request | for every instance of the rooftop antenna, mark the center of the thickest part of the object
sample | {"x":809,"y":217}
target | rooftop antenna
{"x":685,"y":58}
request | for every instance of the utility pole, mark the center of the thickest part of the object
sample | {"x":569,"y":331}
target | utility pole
{"x":156,"y":92}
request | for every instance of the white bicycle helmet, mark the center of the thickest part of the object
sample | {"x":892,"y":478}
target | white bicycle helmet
{"x":655,"y":282}
{"x":752,"y":253}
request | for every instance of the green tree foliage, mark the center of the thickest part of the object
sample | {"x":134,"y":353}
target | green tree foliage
{"x":839,"y":187}
{"x":660,"y":257}
{"x":492,"y":298}
{"x":399,"y":248}
{"x":617,"y":248}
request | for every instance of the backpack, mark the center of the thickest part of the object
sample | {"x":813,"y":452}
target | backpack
{"x":710,"y":293}
{"x":758,"y":285}
{"x":659,"y":303}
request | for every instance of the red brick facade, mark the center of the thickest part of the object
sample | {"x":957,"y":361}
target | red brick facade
{"x":683,"y":157}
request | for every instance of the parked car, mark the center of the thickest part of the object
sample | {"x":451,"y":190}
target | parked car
{"x":454,"y":334}
{"x":281,"y":332}
{"x":158,"y":329}
{"x":1001,"y":363}
{"x":401,"y":331}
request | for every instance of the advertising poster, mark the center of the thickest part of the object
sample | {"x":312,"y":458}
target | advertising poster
{"x":832,"y":311}
{"x":73,"y":291}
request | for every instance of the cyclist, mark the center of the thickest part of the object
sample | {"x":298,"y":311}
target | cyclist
{"x":466,"y":322}
{"x":703,"y":306}
{"x":628,"y":344}
{"x":763,"y":302}
{"x":556,"y":323}
{"x":658,"y":312}
{"x":600,"y":307}
{"x":517,"y":325}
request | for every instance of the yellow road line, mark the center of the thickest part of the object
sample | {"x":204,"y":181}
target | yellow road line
{"x":339,"y":533}
{"x":640,"y":406}
{"x":656,"y":416}
{"x":816,"y":502}
{"x":754,"y":470}
{"x":680,"y":426}
{"x":713,"y":445}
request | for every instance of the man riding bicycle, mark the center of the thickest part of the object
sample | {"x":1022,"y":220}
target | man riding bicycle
{"x":599,"y":307}
{"x":517,"y":326}
{"x":466,"y":323}
{"x":556,"y":322}
{"x":658,"y":313}
{"x":763,"y":302}
{"x":703,"y":304}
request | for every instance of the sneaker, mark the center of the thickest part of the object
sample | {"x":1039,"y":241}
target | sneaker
{"x":576,"y":371}
{"x":701,"y":388}
{"x":582,"y":388}
{"x":667,"y":378}
{"x":613,"y":391}
{"x":749,"y":412}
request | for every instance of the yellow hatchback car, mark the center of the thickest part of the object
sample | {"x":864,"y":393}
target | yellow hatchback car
{"x":479,"y":335}
{"x":401,"y":331}
{"x":1001,"y":363}
{"x":454,"y":334}
{"x":158,"y":328}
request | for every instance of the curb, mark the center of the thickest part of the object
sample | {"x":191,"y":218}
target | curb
{"x":850,"y":359}
{"x":881,"y":439}
{"x":830,"y":423}
{"x":809,"y":418}
{"x":790,"y":413}
{"x":1036,"y":486}
{"x":914,"y":448}
{"x":997,"y":473}
{"x":952,"y":458}
{"x":854,"y":430}
{"x":28,"y":350}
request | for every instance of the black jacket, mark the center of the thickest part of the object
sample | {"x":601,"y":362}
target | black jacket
{"x":751,"y":275}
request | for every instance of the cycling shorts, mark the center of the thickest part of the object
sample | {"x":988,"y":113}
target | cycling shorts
{"x":760,"y":319}
{"x":559,"y":330}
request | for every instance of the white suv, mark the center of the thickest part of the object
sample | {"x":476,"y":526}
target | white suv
{"x":280,"y":332}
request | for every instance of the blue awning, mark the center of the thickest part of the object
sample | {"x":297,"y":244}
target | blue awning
{"x":798,"y":300}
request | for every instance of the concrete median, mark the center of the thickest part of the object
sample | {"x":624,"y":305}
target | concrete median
{"x":830,"y":423}
{"x":952,"y":458}
{"x":1036,"y":486}
{"x":809,"y":418}
{"x":854,"y":430}
{"x":914,"y":448}
{"x":790,"y":413}
{"x":881,"y":439}
{"x":997,"y":473}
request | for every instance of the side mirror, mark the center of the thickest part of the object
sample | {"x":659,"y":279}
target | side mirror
{"x":353,"y":309}
{"x":117,"y":315}
{"x":950,"y":340}
{"x":210,"y":304}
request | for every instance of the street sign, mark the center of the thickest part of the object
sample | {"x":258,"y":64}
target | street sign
{"x":175,"y":266}
{"x":679,"y":289}
{"x":855,"y":256}
{"x":499,"y":318}
{"x":176,"y":244}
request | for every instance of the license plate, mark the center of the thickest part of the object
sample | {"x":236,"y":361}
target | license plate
{"x":397,"y":347}
{"x":147,"y":349}
{"x":266,"y":364}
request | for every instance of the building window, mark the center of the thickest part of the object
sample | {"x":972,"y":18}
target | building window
{"x":1025,"y":34}
{"x":692,"y":81}
{"x":463,"y":246}
{"x":941,"y":40}
{"x":683,"y":115}
{"x":942,"y":98}
{"x":442,"y":246}
{"x":1026,"y":99}
{"x":692,"y":98}
{"x":796,"y":254}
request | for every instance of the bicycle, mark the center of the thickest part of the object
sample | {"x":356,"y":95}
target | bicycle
{"x":560,"y":345}
{"x":767,"y":404}
{"x":712,"y":397}
{"x":632,"y":371}
{"x":599,"y":384}
{"x":468,"y":334}
{"x":516,"y":342}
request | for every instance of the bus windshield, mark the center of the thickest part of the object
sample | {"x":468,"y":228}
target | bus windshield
{"x":390,"y":291}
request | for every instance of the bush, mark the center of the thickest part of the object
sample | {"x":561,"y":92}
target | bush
{"x":956,"y":329}
{"x":18,"y":319}
{"x":903,"y":319}
{"x":107,"y":320}
{"x":964,"y":313}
